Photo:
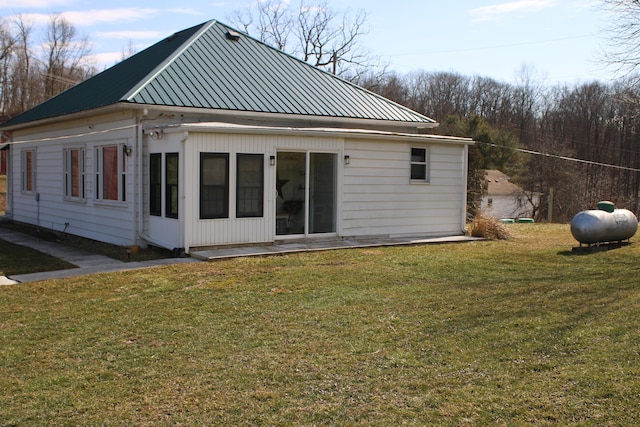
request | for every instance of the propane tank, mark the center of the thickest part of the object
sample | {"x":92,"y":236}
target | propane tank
{"x":604,"y":225}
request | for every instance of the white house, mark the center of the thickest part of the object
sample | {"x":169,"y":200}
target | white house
{"x":505,"y":199}
{"x":211,"y":137}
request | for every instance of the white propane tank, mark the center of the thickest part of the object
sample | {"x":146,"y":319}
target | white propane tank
{"x":602,"y":226}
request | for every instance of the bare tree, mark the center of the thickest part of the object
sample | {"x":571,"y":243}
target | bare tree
{"x":313,"y":32}
{"x":7,"y":46}
{"x":22,"y":83}
{"x":623,"y":49}
{"x":65,"y":54}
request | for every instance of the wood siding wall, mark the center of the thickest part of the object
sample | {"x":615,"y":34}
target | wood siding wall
{"x":206,"y":232}
{"x":380,"y":199}
{"x":111,"y":222}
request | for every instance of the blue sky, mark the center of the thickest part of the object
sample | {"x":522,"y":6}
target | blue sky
{"x":557,"y":40}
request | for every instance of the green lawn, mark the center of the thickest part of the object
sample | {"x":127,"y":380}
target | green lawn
{"x":519,"y":332}
{"x":16,"y":259}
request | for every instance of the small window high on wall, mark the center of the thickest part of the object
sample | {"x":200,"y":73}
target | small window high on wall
{"x":419,"y":164}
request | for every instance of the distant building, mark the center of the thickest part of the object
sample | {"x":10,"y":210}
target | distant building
{"x":505,"y":199}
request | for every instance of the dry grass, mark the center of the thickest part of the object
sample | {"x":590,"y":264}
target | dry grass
{"x":488,"y":227}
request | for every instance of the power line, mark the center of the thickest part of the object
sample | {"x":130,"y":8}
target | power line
{"x":79,"y":135}
{"x":556,"y":156}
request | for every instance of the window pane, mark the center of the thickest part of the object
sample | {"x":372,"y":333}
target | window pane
{"x":418,"y":171}
{"x":155,"y":184}
{"x":75,"y":173}
{"x":171,"y":195}
{"x":250,"y":183}
{"x":29,"y":171}
{"x":214,"y":185}
{"x":110,"y":173}
{"x":418,"y":155}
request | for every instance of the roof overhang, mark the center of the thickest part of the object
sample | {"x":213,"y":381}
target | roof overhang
{"x":221,"y":115}
{"x":350,"y":133}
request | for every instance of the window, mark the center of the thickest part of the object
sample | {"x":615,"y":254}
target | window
{"x":155,"y":184}
{"x":214,"y":185}
{"x":27,"y":171}
{"x":171,"y":190}
{"x":111,"y":173}
{"x":419,"y":162}
{"x":250,"y":185}
{"x":170,"y":185}
{"x":74,"y":173}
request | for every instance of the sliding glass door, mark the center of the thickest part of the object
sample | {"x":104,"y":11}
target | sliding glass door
{"x":306,"y":193}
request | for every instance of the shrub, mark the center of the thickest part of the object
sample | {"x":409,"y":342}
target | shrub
{"x":489,"y":227}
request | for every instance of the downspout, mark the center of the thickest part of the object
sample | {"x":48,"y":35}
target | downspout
{"x":139,"y":157}
{"x":465,"y":175}
{"x":182,"y":206}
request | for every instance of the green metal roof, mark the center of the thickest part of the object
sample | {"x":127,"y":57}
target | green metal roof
{"x":204,"y":68}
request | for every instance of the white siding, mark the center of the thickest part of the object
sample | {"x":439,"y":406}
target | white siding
{"x":108,"y":222}
{"x":232,"y":230}
{"x":379,"y":197}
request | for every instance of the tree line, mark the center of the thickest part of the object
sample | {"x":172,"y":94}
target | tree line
{"x":35,"y":67}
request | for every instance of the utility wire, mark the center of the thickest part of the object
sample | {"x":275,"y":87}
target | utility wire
{"x":556,"y":156}
{"x":79,"y":135}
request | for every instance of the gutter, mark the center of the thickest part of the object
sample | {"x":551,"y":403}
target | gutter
{"x":226,"y":128}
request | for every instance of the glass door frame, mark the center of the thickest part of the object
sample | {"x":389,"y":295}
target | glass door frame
{"x":307,"y":195}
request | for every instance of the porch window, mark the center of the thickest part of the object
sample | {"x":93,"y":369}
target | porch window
{"x":419,"y":164}
{"x":250,"y":185}
{"x":111,"y":173}
{"x":214,"y":185}
{"x":171,"y":190}
{"x":74,"y":174}
{"x":155,"y":184}
{"x":27,"y":171}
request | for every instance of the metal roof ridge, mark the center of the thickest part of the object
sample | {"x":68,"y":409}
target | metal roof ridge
{"x":168,"y":61}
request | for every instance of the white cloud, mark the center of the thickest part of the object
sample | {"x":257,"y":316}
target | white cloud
{"x":488,"y":13}
{"x":130,"y":35}
{"x":91,"y":17}
{"x":34,"y":4}
{"x":186,"y":11}
{"x":107,"y":59}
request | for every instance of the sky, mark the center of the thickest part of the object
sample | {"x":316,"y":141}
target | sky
{"x":555,"y":41}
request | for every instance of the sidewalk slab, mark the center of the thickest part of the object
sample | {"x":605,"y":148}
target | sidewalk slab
{"x":88,"y":263}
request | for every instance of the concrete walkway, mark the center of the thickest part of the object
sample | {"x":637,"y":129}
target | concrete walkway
{"x":89,"y":263}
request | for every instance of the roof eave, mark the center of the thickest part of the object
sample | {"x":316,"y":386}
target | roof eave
{"x":268,"y":117}
{"x":225,"y":114}
{"x":352,"y":133}
{"x":66,"y":117}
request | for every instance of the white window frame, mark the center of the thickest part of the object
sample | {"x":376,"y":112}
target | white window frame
{"x":68,"y":174}
{"x":121,"y":173}
{"x":24,"y":179}
{"x":425,"y":164}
